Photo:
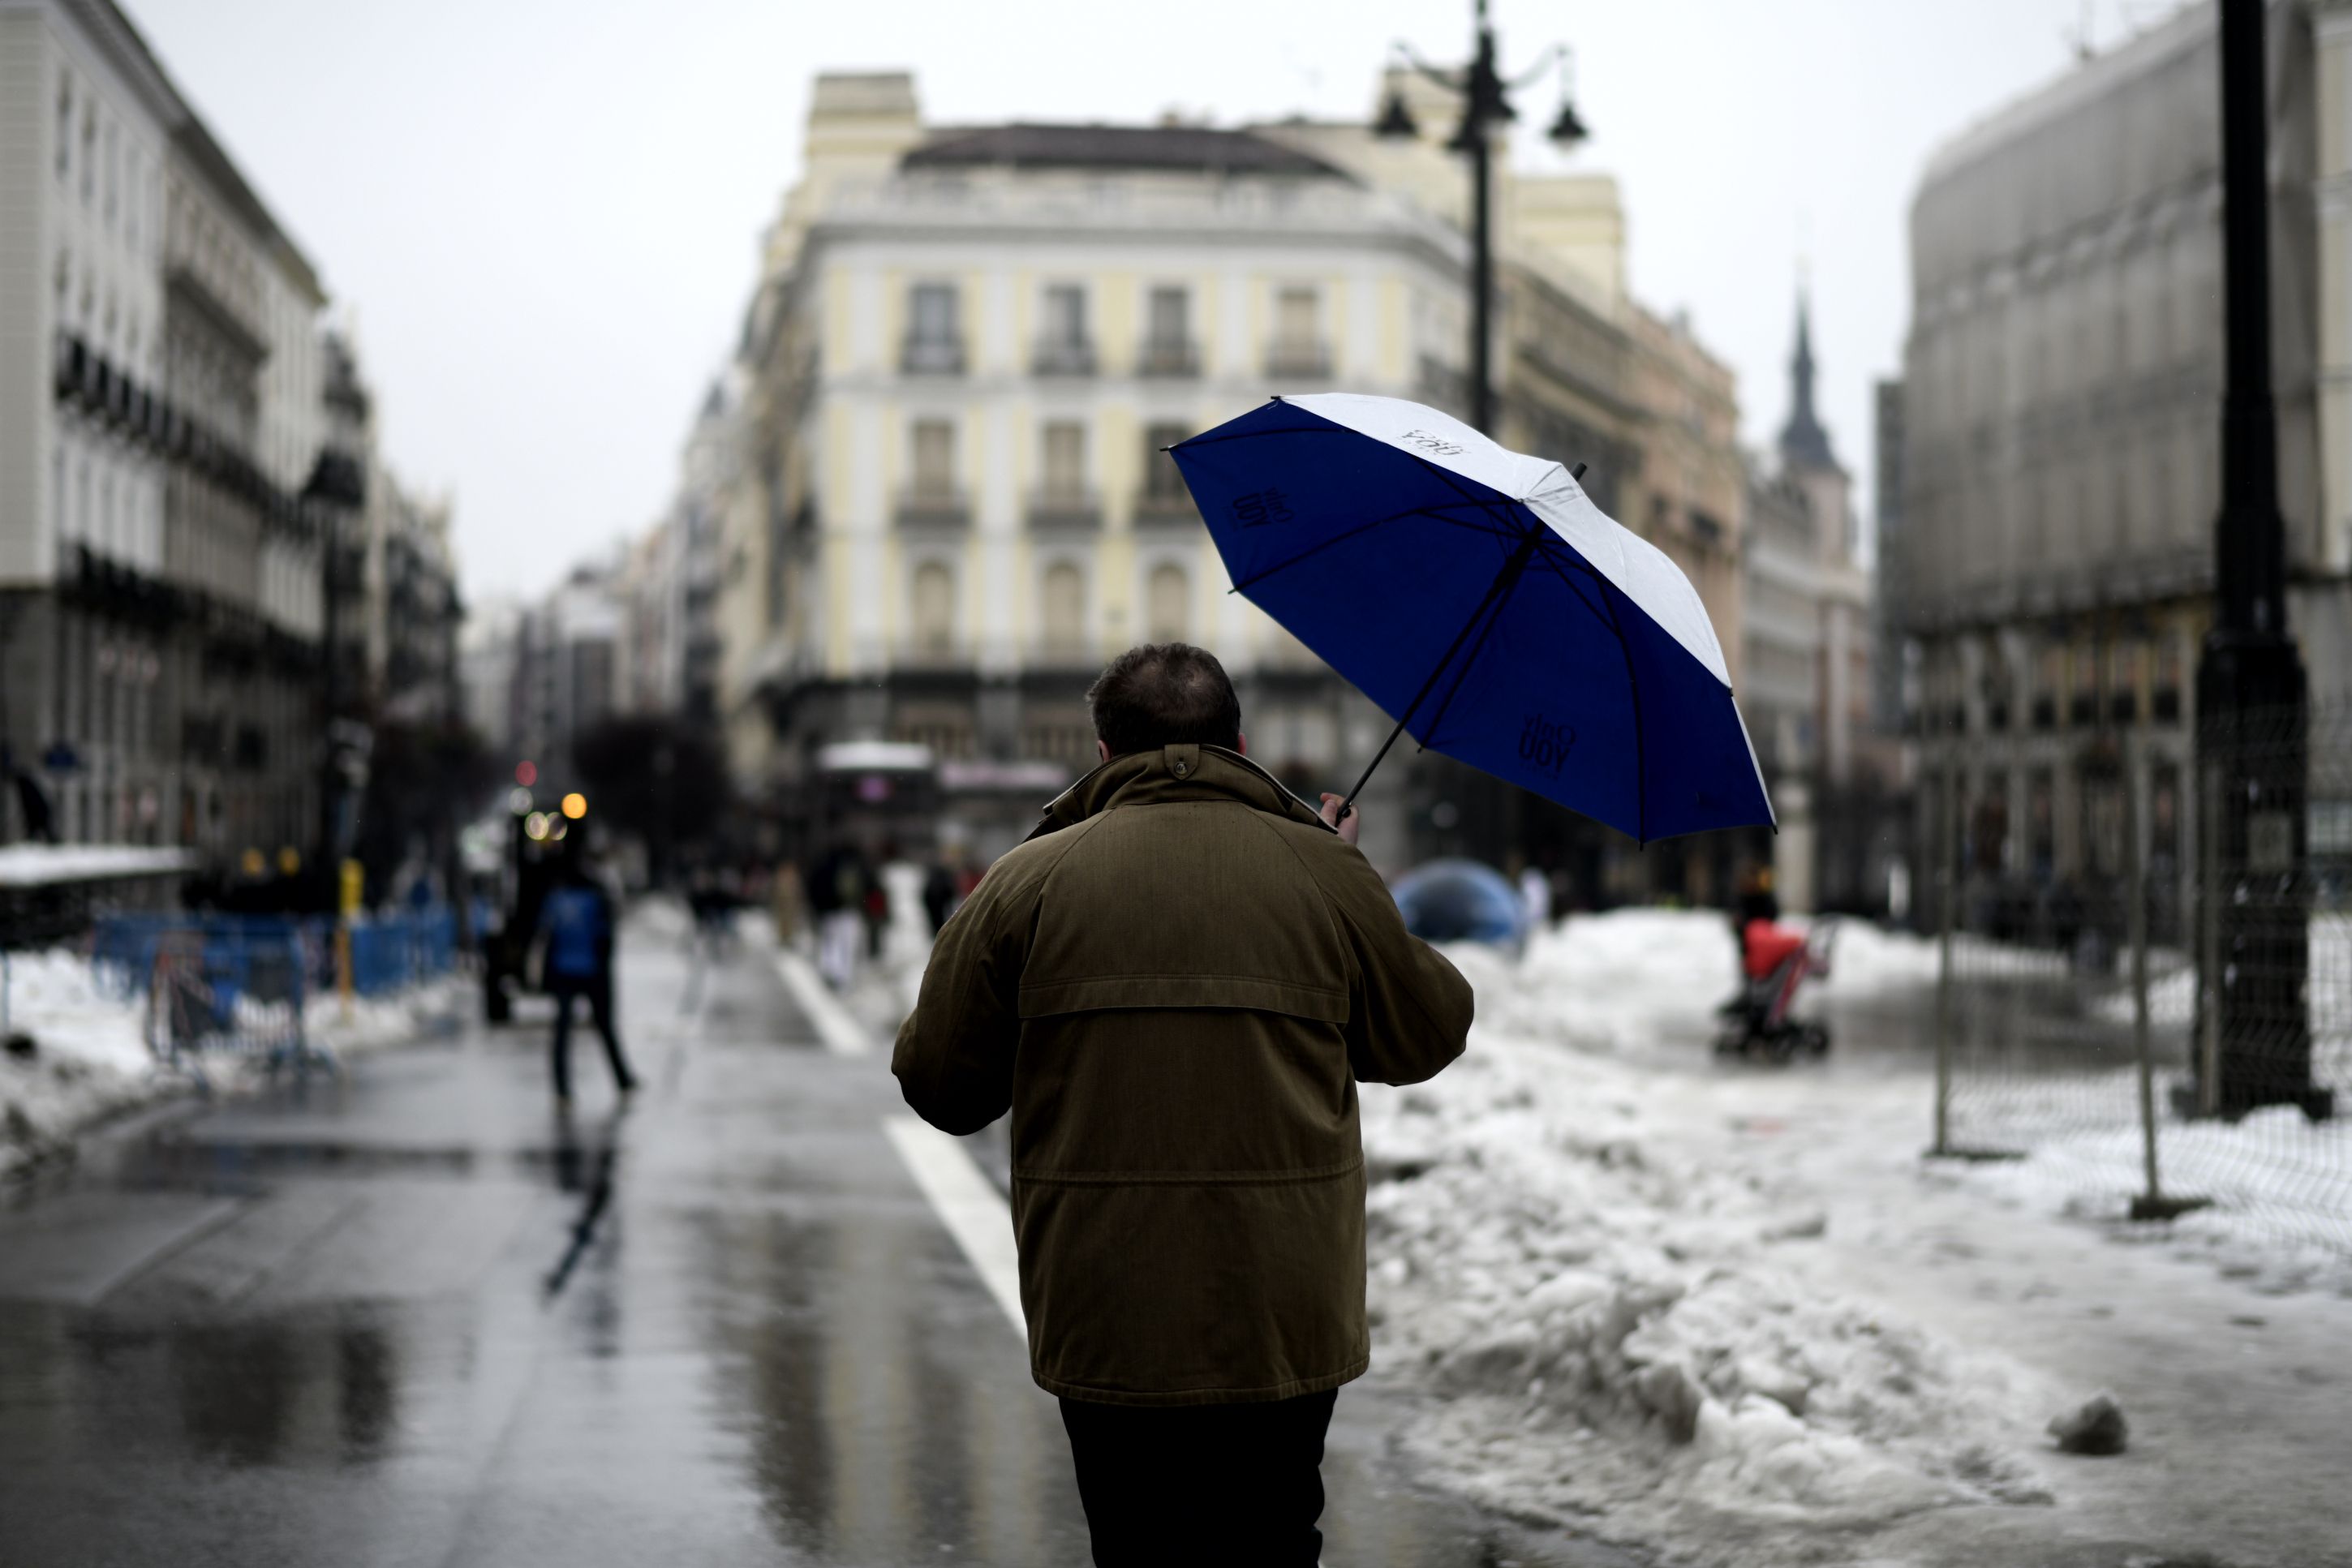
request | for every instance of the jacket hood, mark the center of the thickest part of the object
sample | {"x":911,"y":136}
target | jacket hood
{"x":1182,"y":772}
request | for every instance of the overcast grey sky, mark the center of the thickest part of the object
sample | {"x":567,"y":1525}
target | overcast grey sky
{"x":544,"y":213}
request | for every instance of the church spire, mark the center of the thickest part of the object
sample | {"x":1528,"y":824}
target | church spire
{"x":1804,"y":443}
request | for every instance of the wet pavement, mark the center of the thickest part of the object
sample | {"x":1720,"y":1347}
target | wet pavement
{"x":411,"y":1316}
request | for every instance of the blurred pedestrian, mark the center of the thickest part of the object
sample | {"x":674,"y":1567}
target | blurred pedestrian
{"x":1174,"y":986}
{"x":1535,"y":898}
{"x":837,"y":898}
{"x":786,"y":902}
{"x":877,"y":904}
{"x":577,"y":917}
{"x":938,"y":893}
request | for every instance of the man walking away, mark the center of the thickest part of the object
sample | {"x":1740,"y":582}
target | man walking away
{"x":1174,"y":986}
{"x":577,"y":917}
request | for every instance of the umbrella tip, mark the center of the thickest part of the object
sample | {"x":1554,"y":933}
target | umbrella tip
{"x":1577,"y":472}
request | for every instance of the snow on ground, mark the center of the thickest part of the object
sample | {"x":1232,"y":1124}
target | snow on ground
{"x":1615,"y":982}
{"x":89,"y":1056}
{"x":1603,"y":1250}
{"x":1555,"y":1250}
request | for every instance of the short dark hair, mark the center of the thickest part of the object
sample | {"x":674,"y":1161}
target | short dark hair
{"x":1164,"y":694}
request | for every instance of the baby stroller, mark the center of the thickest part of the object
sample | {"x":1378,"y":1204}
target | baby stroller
{"x":1775,"y":962}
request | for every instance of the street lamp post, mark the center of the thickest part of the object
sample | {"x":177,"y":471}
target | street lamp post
{"x":2251,"y":717}
{"x":1485,"y":103}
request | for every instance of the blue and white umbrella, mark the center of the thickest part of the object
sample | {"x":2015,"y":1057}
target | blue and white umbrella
{"x":1482,"y":600}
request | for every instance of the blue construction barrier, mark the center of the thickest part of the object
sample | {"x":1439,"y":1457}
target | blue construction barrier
{"x":389,"y":952}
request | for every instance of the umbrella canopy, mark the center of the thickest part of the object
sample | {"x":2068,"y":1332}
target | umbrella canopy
{"x":1485,"y":603}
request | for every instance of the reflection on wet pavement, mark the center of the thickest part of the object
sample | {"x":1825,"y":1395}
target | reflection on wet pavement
{"x":411,"y":1317}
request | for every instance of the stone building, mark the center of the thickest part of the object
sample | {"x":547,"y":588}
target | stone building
{"x":159,"y":414}
{"x":951,"y":505}
{"x":945,"y":503}
{"x":2052,"y":569}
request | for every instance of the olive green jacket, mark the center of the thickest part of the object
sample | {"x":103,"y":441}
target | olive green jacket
{"x":1174,"y":986}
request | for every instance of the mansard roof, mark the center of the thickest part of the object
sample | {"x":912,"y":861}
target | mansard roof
{"x":1194,"y":148}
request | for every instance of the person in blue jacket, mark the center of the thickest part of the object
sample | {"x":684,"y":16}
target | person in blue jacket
{"x":577,"y":918}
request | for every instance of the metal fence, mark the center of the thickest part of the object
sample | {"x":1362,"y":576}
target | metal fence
{"x":389,"y":952}
{"x":2145,"y":964}
{"x":240,"y":992}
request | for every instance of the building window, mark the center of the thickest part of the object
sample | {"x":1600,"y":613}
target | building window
{"x":934,"y":455}
{"x":2049,"y":680}
{"x":1168,"y":349}
{"x":1063,"y":346}
{"x":1168,"y":602}
{"x":1298,"y":349}
{"x":933,"y":597}
{"x":1066,"y":460}
{"x":65,"y":126}
{"x":88,"y":153}
{"x":2169,"y":662}
{"x":934,"y":334}
{"x":2127,"y":668}
{"x":1062,"y":613}
{"x":1163,"y":481}
{"x":2084,"y":709}
{"x":2042,"y":823}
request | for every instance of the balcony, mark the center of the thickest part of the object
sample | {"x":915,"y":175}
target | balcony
{"x":1165,"y":508}
{"x":1062,"y":357}
{"x":931,"y":357}
{"x":1298,"y":360}
{"x":934,"y":506}
{"x":1174,"y":359}
{"x":1067,"y":507}
{"x":1065,"y":651}
{"x":933,"y":651}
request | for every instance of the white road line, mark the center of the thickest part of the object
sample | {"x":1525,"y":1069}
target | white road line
{"x":842,"y":1035}
{"x":974,"y":1212}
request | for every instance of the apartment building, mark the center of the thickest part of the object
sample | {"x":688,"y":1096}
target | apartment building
{"x":2053,"y":569}
{"x":161,"y":413}
{"x":951,"y":502}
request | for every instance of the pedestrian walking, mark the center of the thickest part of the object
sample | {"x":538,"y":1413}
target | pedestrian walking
{"x":836,"y":894}
{"x":938,"y":893}
{"x":1174,"y":987}
{"x":577,"y":917}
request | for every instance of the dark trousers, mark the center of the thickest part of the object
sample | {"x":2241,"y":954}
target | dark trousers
{"x":1236,"y":1485}
{"x":598,"y":991}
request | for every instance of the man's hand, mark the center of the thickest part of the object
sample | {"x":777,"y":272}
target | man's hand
{"x":1346,"y":825}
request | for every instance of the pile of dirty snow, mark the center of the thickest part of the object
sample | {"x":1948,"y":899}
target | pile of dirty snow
{"x":76,"y":1052}
{"x":437,"y":1006}
{"x":1597,"y":1299}
{"x":1621,"y":982}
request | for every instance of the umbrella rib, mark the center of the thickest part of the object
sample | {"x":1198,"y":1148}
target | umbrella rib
{"x":1514,"y":571}
{"x":1454,"y":482}
{"x":1362,"y":527}
{"x":1254,"y":434}
{"x":1495,"y":590}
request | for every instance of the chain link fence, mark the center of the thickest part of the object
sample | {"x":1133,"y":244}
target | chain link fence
{"x":2144,"y":964}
